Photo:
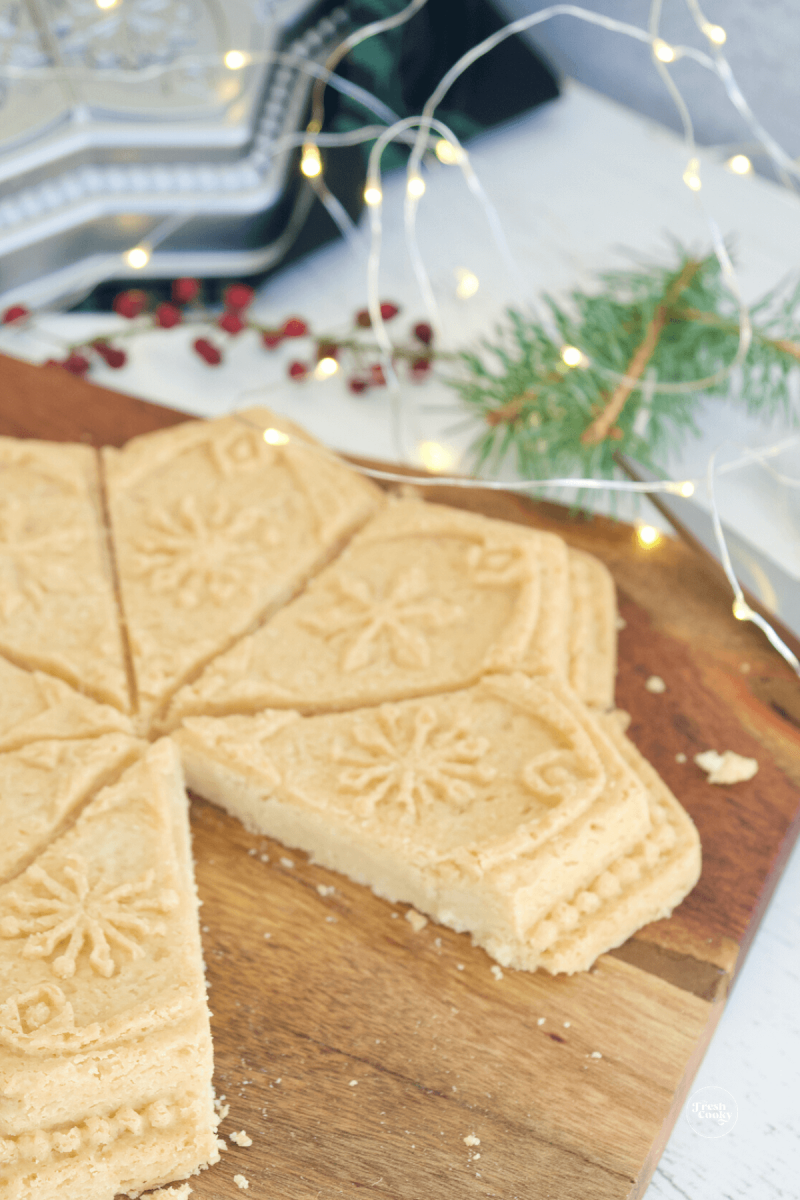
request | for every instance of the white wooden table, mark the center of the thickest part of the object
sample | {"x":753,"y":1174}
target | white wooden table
{"x":573,"y":183}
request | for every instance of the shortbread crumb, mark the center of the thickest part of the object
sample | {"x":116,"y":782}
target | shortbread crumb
{"x":726,"y":768}
{"x":471,"y":1140}
{"x":416,"y":920}
{"x":325,"y":889}
{"x":540,"y":1021}
{"x":496,"y":971}
{"x":288,"y":863}
{"x":241,"y":1182}
{"x":595,"y":1054}
{"x":680,"y":758}
{"x":656,"y":685}
{"x":241,"y":1138}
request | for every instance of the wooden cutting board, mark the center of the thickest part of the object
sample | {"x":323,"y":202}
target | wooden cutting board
{"x":359,"y":1055}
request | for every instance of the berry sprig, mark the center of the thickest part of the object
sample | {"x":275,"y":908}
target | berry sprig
{"x":353,"y":351}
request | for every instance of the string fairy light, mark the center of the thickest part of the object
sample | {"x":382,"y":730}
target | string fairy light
{"x":449,"y":151}
{"x":739,"y":164}
{"x":439,"y":459}
{"x":137,"y":257}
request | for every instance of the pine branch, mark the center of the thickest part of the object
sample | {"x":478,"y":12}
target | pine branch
{"x":602,"y":425}
{"x":679,"y":322}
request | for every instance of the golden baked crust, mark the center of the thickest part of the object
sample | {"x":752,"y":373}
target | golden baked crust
{"x":483,"y":808}
{"x":214,"y":528}
{"x":592,"y":630}
{"x":425,"y":599}
{"x":57,"y":607}
{"x":105,"y":1049}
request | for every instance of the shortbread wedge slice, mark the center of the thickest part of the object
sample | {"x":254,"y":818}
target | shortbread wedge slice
{"x":105,"y":1050}
{"x":57,"y":606}
{"x":43,"y":785}
{"x":483,"y":808}
{"x":592,"y":630}
{"x":644,"y":885}
{"x":35,"y":706}
{"x":215,"y":525}
{"x":425,"y":599}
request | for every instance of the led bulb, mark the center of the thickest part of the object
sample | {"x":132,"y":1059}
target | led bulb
{"x":416,"y":186}
{"x":648,"y":536}
{"x":275,"y":437}
{"x":325,"y":368}
{"x":311,"y":163}
{"x":467,"y":285}
{"x":741,"y":609}
{"x":715,"y":34}
{"x":571,"y":355}
{"x":663,"y":51}
{"x":137,"y":258}
{"x":436,"y":457}
{"x":740,"y":164}
{"x":234,"y":60}
{"x":106,"y":3}
{"x":373,"y":196}
{"x":686,"y":489}
{"x":447,"y":153}
{"x":691,"y":176}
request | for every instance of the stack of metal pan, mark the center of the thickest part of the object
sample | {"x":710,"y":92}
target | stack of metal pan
{"x":154,"y":126}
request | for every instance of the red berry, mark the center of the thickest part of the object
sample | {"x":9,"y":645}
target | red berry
{"x":17,"y":312}
{"x":272,"y":338}
{"x":129,"y":304}
{"x":115,"y":357}
{"x":357,"y":385}
{"x":388,"y":311}
{"x":238,"y":296}
{"x":420,"y":367}
{"x":167,"y":315}
{"x":363,"y":318}
{"x":423,"y":333}
{"x":294,"y":327}
{"x":297,"y":370}
{"x":76,"y":364}
{"x":185,"y":290}
{"x":327,"y":350}
{"x":376,"y":375}
{"x":231,"y":322}
{"x":208,"y":351}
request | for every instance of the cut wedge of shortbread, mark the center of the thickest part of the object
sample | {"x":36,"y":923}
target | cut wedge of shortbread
{"x":424,"y":599}
{"x":643,"y":885}
{"x":215,"y":525}
{"x":483,"y":808}
{"x":57,"y":606}
{"x":105,"y":1051}
{"x":35,"y":706}
{"x":43,"y":785}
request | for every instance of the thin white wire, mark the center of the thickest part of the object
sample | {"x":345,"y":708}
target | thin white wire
{"x":426,"y":123}
{"x":741,"y":609}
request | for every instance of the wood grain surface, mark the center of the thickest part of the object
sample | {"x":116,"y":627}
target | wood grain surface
{"x":357,"y":1054}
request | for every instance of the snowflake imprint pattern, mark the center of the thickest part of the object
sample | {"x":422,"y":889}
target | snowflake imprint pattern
{"x":82,"y":914}
{"x":29,"y":569}
{"x":197,"y":556}
{"x":411,"y":764}
{"x":397,"y":619}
